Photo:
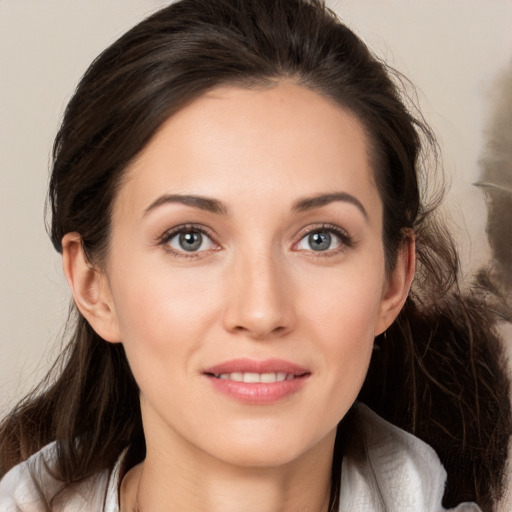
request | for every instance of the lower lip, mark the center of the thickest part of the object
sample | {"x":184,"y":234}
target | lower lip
{"x":258,"y":393}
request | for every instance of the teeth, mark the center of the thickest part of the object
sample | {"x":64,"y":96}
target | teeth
{"x":251,"y":377}
{"x":268,"y":377}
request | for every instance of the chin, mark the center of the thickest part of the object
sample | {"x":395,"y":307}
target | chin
{"x":269,"y":456}
{"x":270,"y":448}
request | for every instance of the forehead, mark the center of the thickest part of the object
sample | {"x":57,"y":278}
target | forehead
{"x":249,"y":144}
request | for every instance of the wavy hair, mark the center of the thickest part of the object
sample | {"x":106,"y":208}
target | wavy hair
{"x":438,"y":370}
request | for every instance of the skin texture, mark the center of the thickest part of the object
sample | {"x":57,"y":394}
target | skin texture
{"x":256,"y":289}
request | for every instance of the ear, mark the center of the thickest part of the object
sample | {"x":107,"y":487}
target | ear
{"x":90,"y":289}
{"x":398,"y":284}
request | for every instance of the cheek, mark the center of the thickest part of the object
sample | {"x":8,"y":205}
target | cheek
{"x":162,"y":326}
{"x":348,"y":337}
{"x":345,"y":302}
{"x":150,"y":297}
{"x":343,"y":317}
{"x":160,"y":314}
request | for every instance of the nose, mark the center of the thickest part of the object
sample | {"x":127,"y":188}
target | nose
{"x":259,"y":299}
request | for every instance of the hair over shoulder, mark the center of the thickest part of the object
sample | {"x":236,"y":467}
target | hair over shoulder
{"x":437,"y":372}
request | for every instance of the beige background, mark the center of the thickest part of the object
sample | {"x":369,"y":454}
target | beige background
{"x":451,"y":49}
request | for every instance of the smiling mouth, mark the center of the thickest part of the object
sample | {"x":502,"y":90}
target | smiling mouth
{"x":255,"y":378}
{"x":258,"y":388}
{"x":257,"y":382}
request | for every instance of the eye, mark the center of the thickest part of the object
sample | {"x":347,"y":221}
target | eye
{"x":323,"y":240}
{"x":188,"y":240}
{"x":319,"y":241}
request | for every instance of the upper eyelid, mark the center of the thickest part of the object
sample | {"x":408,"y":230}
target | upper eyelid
{"x":169,"y":233}
{"x":325,"y":227}
{"x":346,"y":240}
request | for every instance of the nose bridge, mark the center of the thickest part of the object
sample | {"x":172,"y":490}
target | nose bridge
{"x":259,"y":300}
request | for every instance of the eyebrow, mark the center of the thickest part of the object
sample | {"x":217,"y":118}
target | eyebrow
{"x":203,"y":203}
{"x":215,"y":206}
{"x":310,"y":203}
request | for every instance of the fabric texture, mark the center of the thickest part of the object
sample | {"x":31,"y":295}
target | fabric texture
{"x":396,"y":472}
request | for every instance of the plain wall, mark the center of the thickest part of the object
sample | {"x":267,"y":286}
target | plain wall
{"x":451,"y":49}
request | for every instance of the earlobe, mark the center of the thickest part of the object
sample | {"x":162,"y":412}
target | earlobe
{"x":90,"y":289}
{"x":398,"y":284}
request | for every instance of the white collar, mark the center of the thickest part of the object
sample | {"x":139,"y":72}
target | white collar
{"x":395,"y":471}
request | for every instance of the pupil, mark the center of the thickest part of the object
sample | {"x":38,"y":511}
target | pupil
{"x":191,"y":241}
{"x":320,"y":241}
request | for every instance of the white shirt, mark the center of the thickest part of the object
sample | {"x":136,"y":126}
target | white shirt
{"x":406,"y":472}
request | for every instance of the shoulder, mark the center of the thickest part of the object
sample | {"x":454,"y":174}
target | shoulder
{"x":394,"y":470}
{"x":29,"y":486}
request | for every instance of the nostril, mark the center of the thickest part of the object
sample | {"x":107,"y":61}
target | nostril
{"x":260,"y":331}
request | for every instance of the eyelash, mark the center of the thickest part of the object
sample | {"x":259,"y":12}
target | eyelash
{"x":344,"y":238}
{"x":185,"y":228}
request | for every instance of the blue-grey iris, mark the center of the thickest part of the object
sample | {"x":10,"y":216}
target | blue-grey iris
{"x":319,"y":241}
{"x":191,"y":241}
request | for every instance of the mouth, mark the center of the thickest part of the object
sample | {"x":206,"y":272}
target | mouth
{"x":257,"y":382}
{"x":253,"y":378}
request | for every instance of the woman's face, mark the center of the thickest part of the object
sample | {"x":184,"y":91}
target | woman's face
{"x":246,"y":275}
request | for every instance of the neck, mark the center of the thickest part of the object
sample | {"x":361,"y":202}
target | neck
{"x":164,"y":483}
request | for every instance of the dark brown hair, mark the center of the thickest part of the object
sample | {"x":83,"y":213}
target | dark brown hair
{"x":437,"y":374}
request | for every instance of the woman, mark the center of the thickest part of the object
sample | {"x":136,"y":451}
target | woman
{"x":235,"y":197}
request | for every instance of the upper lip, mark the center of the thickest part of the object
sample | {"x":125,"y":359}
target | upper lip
{"x":257,"y":366}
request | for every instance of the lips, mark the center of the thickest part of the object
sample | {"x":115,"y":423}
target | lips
{"x":251,"y":377}
{"x":257,"y":382}
{"x":259,"y":367}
